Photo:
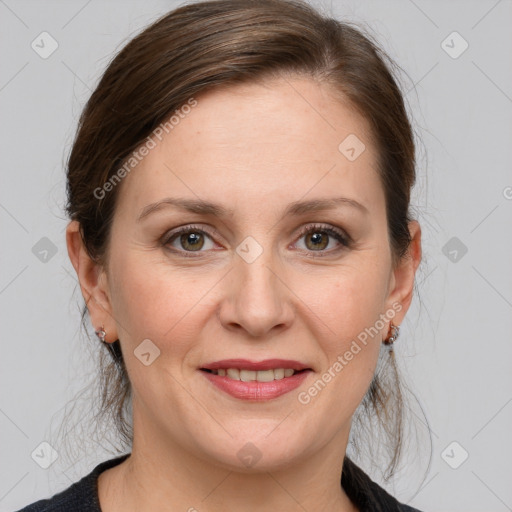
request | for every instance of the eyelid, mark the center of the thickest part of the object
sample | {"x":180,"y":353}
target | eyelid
{"x":169,"y":235}
{"x":327,"y":228}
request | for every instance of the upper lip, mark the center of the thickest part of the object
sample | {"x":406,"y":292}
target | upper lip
{"x":246,"y":364}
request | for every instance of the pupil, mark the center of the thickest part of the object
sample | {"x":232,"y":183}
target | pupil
{"x":317,"y":238}
{"x":318,"y":241}
{"x":191,"y":239}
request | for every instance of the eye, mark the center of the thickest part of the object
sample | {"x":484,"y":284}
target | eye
{"x":188,"y":239}
{"x":318,"y":237}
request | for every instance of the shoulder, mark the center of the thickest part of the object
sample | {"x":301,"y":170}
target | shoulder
{"x":366,"y":494}
{"x":82,"y":496}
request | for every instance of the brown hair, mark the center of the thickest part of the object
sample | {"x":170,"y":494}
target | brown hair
{"x":216,"y":43}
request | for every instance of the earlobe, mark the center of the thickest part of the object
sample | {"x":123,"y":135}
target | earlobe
{"x":92,"y":279}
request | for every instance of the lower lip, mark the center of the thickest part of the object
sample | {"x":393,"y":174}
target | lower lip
{"x":254,"y":390}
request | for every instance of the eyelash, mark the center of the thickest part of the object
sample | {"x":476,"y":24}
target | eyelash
{"x":339,"y":235}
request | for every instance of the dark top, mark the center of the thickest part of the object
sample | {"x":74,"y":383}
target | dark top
{"x":82,"y":496}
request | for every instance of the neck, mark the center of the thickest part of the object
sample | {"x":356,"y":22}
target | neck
{"x":166,"y":477}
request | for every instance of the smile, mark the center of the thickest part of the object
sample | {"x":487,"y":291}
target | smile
{"x":256,"y":381}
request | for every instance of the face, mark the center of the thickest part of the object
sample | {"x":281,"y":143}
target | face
{"x":264,"y":275}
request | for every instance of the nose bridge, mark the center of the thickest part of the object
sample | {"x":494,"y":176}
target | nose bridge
{"x":257,"y":279}
{"x":259,"y":301}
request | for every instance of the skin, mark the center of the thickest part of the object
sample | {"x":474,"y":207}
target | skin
{"x":255,"y":149}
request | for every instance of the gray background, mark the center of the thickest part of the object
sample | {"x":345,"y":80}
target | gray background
{"x":455,"y":346}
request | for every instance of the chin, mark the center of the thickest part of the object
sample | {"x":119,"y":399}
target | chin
{"x":256,"y":453}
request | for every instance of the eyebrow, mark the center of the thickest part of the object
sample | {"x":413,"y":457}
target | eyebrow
{"x":296,"y":208}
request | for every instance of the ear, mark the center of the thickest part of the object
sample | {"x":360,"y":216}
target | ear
{"x":93,"y":282}
{"x":402,"y":279}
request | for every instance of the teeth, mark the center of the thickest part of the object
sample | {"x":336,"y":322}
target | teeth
{"x":279,"y":374}
{"x":265,"y":376}
{"x":252,"y":375}
{"x":247,"y":375}
{"x":233,"y":373}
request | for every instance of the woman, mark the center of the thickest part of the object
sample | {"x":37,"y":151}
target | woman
{"x":239,"y":200}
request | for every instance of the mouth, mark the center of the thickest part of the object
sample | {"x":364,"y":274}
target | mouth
{"x":256,"y":381}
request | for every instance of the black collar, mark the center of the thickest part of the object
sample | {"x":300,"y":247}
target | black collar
{"x":366,"y":495}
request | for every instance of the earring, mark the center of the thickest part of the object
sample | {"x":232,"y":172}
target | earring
{"x":101,"y":333}
{"x":396,"y":331}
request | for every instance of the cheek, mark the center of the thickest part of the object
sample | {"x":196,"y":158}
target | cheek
{"x":347,"y":299}
{"x":347,"y":321}
{"x":153,"y":301}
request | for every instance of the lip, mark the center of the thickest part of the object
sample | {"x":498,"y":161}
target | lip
{"x":254,"y":390}
{"x":257,"y":391}
{"x":246,"y":364}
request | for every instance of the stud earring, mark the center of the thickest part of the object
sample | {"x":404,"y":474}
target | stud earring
{"x":396,"y":331}
{"x":101,"y":333}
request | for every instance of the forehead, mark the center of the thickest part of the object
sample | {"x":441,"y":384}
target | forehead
{"x":278,"y":140}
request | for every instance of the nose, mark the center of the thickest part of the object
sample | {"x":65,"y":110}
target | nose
{"x":257,"y":299}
